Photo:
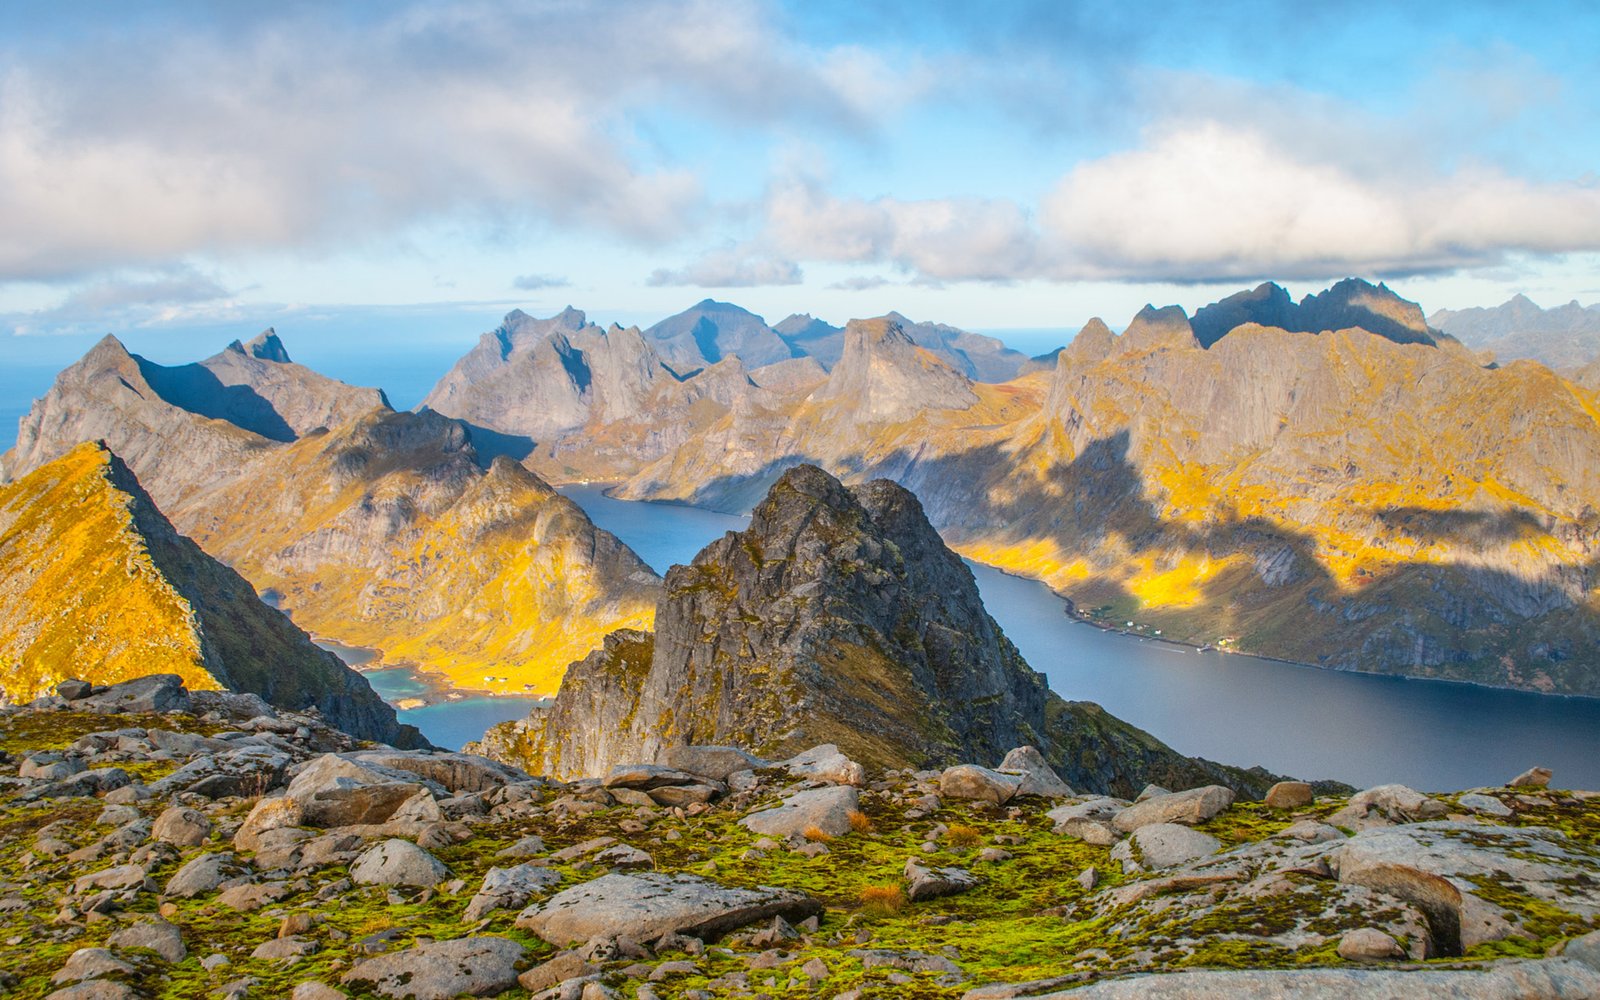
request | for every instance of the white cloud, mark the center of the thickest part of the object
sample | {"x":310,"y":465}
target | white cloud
{"x":945,"y":238}
{"x":732,"y":267}
{"x":1216,"y":201}
{"x":538,"y":282}
{"x":306,"y":126}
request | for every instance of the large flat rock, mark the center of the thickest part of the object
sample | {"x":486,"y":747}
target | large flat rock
{"x":646,"y":906}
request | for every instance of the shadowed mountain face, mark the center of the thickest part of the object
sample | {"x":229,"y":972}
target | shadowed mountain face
{"x":1351,"y":304}
{"x":384,"y":531}
{"x":96,"y":583}
{"x":1561,"y":337}
{"x":838,"y":616}
{"x":710,"y":331}
{"x":186,"y":427}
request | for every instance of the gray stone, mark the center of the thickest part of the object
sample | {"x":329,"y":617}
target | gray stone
{"x":1386,"y":805}
{"x":1162,"y":845}
{"x":154,"y":934}
{"x":73,"y":689}
{"x":285,"y":949}
{"x":243,"y":771}
{"x":151,"y":693}
{"x":398,"y":862}
{"x":1038,"y":777}
{"x":645,"y":906}
{"x":201,"y":875}
{"x":90,"y":963}
{"x":969,"y":781}
{"x":96,"y":989}
{"x":1368,"y":944}
{"x":182,"y":827}
{"x":644,"y":777}
{"x":441,"y":970}
{"x":716,"y":763}
{"x":509,"y":889}
{"x":931,"y":883}
{"x":1551,"y":979}
{"x":1487,"y":805}
{"x":50,"y":766}
{"x":825,"y":809}
{"x":1190,"y":807}
{"x":316,"y":991}
{"x":825,"y":763}
{"x":333,"y":791}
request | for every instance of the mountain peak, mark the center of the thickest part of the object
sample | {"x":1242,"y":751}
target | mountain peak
{"x":266,"y":346}
{"x":1157,"y":329}
{"x":885,"y":373}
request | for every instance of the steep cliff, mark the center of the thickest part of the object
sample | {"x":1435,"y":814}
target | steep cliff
{"x":838,"y":616}
{"x":96,"y":583}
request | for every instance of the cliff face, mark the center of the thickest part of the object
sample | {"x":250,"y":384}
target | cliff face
{"x":387,"y":533}
{"x":96,"y":583}
{"x":1562,"y":337}
{"x":838,"y":616}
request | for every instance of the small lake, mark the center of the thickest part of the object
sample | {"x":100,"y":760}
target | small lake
{"x":1302,"y":721}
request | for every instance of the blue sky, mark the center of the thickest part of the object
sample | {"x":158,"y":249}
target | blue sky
{"x":369,"y":171}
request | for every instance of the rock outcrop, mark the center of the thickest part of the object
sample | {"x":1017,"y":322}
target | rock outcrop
{"x":95,"y":581}
{"x":1561,"y":337}
{"x":838,"y":616}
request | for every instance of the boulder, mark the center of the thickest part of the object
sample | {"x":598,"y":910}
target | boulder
{"x":1191,"y":807}
{"x":182,"y":827}
{"x":1163,"y":845}
{"x":1289,"y":795}
{"x":50,"y":765}
{"x":334,"y":791}
{"x":647,"y":905}
{"x":1368,"y":944}
{"x":712,"y":762}
{"x":1386,"y":805}
{"x":1486,"y":805}
{"x":931,"y":883}
{"x":684,"y":795}
{"x":96,"y":989}
{"x":825,"y":763}
{"x":969,"y":781}
{"x":456,"y":773}
{"x":153,"y":934}
{"x":238,"y":771}
{"x":276,"y":813}
{"x":151,"y":693}
{"x":90,"y":963}
{"x":201,"y":875}
{"x":644,"y":777}
{"x":441,"y":970}
{"x":826,"y":809}
{"x":1548,"y":980}
{"x":509,"y":889}
{"x":398,"y":862}
{"x":72,"y":689}
{"x":1038,"y":777}
{"x":1533,"y":777}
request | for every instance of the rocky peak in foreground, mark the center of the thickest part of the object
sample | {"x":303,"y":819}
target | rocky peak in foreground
{"x":839,"y":617}
{"x":162,"y":843}
{"x":93,"y":576}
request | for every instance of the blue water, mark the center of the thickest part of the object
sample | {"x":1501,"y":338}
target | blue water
{"x":1303,"y":721}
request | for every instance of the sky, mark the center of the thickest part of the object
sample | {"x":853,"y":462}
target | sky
{"x":393,"y":174}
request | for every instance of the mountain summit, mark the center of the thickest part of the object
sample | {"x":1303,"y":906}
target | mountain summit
{"x":838,"y":616}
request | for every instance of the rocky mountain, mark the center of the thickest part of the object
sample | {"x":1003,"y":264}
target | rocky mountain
{"x":384,"y":531}
{"x":884,"y":377}
{"x":1341,"y":499}
{"x":812,"y":337}
{"x":709,"y":331}
{"x":1350,"y":304}
{"x":838,"y":616}
{"x":980,"y":358}
{"x":1560,"y":337}
{"x":387,"y":533}
{"x":95,"y":582}
{"x":724,"y":876}
{"x":186,"y":427}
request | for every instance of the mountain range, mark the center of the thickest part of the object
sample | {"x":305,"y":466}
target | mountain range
{"x":1563,"y":337}
{"x":1335,"y":481}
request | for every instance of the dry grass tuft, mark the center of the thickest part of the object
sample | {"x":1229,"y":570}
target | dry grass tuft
{"x":883,"y":900}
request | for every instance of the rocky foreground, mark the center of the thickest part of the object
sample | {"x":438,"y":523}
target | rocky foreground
{"x":160,"y":843}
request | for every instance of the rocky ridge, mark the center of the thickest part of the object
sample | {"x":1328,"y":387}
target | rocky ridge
{"x":839,"y":617}
{"x":92,"y":573}
{"x":221,"y":847}
{"x":1562,"y":337}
